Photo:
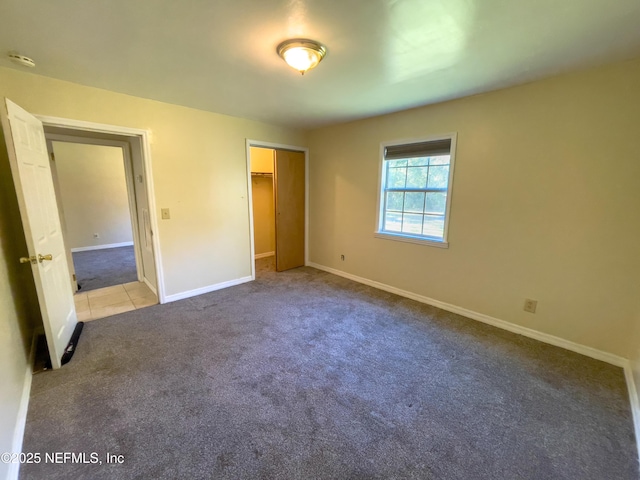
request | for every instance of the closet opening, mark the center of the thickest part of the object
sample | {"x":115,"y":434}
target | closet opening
{"x":278,"y":177}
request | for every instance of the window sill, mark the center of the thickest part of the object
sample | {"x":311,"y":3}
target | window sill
{"x":411,"y":239}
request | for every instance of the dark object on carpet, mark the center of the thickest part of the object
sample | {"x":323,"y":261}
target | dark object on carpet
{"x":106,"y":267}
{"x":73,"y":344}
{"x":303,"y":375}
{"x":42,"y":361}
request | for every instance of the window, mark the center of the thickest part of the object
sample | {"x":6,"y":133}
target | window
{"x":415,"y":190}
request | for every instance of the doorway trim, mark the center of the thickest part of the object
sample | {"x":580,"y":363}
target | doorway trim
{"x":144,"y":137}
{"x":129,"y":180}
{"x":277,"y":146}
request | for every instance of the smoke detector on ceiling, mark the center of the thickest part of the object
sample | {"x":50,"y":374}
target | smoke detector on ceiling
{"x":21,"y":60}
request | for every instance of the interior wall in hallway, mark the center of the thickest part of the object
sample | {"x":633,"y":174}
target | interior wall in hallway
{"x":94,"y":194}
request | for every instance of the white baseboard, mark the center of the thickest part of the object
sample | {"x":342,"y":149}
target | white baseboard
{"x":264,"y":255}
{"x":207,"y":289}
{"x":634,"y":401}
{"x":21,"y":423}
{"x":101,"y":247}
{"x":481,"y":317}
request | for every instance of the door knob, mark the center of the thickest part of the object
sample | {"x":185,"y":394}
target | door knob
{"x":31,"y":259}
{"x":42,"y":258}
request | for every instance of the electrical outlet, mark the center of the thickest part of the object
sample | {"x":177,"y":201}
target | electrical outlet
{"x":342,"y":257}
{"x":530,"y":305}
{"x":95,"y":235}
{"x":165,"y":214}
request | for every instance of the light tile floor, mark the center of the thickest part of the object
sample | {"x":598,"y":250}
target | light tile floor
{"x":108,"y":301}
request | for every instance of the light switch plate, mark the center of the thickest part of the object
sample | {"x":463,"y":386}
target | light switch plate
{"x":165,"y":213}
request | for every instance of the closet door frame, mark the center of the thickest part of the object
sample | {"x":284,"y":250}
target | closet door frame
{"x":276,"y":146}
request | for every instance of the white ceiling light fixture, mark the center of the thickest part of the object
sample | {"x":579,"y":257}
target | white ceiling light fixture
{"x":21,"y":60}
{"x":301,"y":53}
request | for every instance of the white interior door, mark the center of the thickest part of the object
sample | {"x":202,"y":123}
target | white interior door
{"x":56,"y":189}
{"x":36,"y":197}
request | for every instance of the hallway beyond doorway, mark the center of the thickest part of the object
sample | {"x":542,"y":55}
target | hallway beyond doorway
{"x":106,"y":267}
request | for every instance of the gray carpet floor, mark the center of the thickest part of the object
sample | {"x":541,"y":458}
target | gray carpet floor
{"x":305,"y":375}
{"x":103,"y":268}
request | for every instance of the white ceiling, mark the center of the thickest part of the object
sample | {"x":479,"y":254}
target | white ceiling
{"x":383,"y":55}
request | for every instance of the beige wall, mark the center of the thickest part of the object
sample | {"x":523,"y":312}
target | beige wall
{"x":94,"y":194}
{"x":199,"y":170}
{"x":19,"y":314}
{"x":545,"y":205}
{"x":261,"y":159}
{"x":264,"y":220}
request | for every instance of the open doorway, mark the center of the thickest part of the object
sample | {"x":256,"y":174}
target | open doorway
{"x":279,"y":206}
{"x":91,"y":189}
{"x":100,"y":186}
{"x":263,"y":203}
{"x":26,"y":141}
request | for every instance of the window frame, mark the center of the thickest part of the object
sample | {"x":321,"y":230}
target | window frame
{"x":382,"y":172}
